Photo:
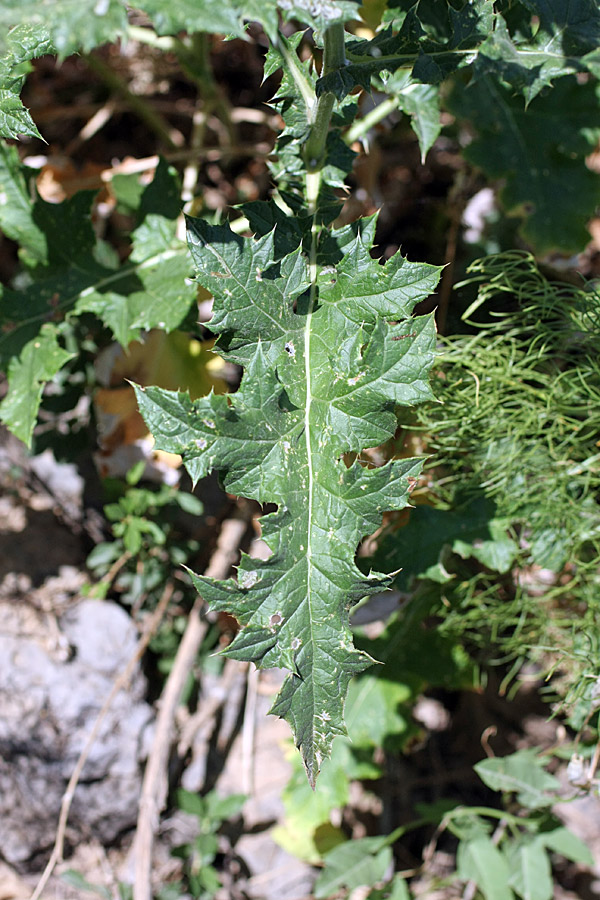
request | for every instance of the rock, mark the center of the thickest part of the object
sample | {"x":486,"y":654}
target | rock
{"x":49,"y":701}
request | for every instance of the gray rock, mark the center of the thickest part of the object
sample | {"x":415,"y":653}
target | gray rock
{"x":49,"y":701}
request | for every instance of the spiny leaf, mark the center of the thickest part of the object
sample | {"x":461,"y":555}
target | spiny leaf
{"x":21,"y":45}
{"x":324,"y":370}
{"x":16,"y":210}
{"x":566,"y":41}
{"x":211,"y":16}
{"x":419,"y":101}
{"x":320,"y":14}
{"x":39,"y":361}
{"x":296,"y":100}
{"x":70,"y":24}
{"x":434,"y":40}
{"x":428,"y":44}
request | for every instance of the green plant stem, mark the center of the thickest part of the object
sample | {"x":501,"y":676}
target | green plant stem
{"x":334,"y":58}
{"x":152,"y":39}
{"x":372,"y":118}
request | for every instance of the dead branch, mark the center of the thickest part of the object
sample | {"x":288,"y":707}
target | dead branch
{"x":155,"y":784}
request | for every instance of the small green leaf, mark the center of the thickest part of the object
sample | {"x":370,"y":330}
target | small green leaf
{"x":422,"y":103}
{"x":39,"y":361}
{"x":222,"y":808}
{"x":565,"y":843}
{"x":191,"y":803}
{"x":189,"y":503}
{"x":354,"y":864}
{"x":522,"y":773}
{"x":531,"y":873}
{"x":76,"y":880}
{"x":480,"y":861}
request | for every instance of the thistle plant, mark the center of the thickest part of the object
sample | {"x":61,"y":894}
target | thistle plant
{"x":323,"y":332}
{"x":329,"y":350}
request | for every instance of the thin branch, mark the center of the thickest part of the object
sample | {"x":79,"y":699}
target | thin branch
{"x":119,"y":684}
{"x":155,"y":784}
{"x":209,"y":708}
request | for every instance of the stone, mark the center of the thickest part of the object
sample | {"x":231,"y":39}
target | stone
{"x":49,"y":702}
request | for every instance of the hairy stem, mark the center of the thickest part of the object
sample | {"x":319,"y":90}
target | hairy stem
{"x":334,"y":58}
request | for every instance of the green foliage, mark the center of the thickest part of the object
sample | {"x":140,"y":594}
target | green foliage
{"x":503,"y":854}
{"x":419,"y":101}
{"x":354,"y":864}
{"x":516,"y":860}
{"x":536,"y":459}
{"x":69,"y":24}
{"x":539,"y":156}
{"x":433,"y":40}
{"x":75,"y":277}
{"x":75,"y":879}
{"x":147,"y":542}
{"x":201,"y":877}
{"x":22,"y":45}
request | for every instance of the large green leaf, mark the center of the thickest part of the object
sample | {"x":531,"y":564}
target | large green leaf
{"x":539,"y":153}
{"x":149,"y":290}
{"x":326,"y":361}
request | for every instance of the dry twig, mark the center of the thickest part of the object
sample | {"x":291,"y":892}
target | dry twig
{"x":120,"y":683}
{"x":155,"y":784}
